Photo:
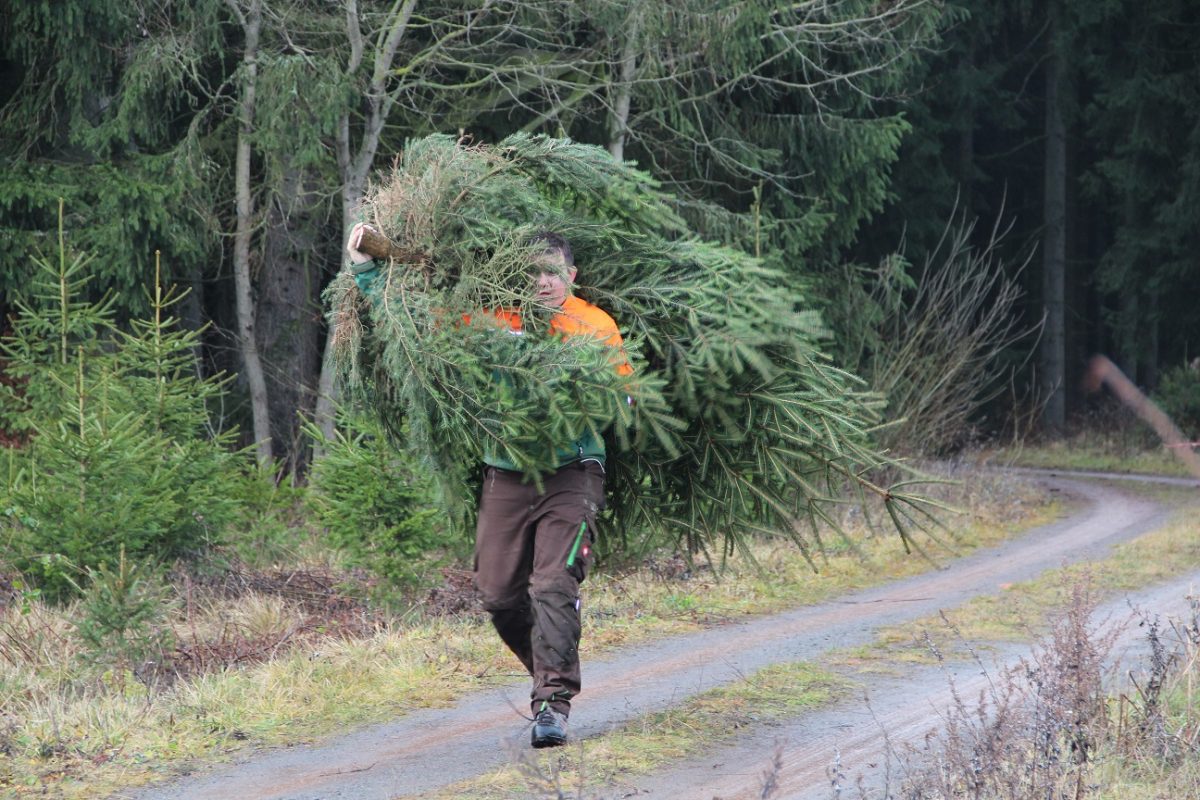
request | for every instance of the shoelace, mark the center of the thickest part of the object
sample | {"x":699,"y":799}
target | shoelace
{"x":546,"y":717}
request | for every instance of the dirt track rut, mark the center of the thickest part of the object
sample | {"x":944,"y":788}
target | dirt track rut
{"x":430,"y":749}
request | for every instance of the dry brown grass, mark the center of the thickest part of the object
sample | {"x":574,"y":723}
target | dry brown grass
{"x":1050,"y":728}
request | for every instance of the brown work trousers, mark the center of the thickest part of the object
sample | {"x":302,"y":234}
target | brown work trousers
{"x":532,"y":550}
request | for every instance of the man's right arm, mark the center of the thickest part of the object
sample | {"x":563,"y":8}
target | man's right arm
{"x":362,"y":266}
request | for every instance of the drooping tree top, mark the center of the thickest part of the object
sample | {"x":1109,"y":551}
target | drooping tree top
{"x":734,"y":420}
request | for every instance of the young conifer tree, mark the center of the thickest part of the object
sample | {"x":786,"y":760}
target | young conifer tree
{"x":118,"y":455}
{"x":734,"y":421}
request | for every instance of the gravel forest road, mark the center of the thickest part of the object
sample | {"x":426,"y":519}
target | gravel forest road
{"x":431,"y":749}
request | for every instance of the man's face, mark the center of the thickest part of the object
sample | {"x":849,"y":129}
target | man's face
{"x":553,"y":278}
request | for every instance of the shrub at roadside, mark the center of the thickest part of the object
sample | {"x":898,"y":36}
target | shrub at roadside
{"x":930,"y":338}
{"x":378,"y":504}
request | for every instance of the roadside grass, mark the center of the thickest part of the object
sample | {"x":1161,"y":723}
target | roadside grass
{"x":1132,"y":778}
{"x":1069,"y":455}
{"x":1109,"y":440}
{"x":79,"y":735}
{"x":1154,"y":751}
{"x":1020,"y":611}
{"x":72,"y":730}
{"x":680,"y":732}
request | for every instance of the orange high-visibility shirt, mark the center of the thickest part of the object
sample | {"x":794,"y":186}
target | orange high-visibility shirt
{"x":577,"y":317}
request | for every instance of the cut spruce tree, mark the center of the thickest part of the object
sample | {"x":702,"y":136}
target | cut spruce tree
{"x":733,"y":423}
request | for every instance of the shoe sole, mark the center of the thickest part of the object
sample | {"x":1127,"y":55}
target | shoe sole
{"x":549,"y":741}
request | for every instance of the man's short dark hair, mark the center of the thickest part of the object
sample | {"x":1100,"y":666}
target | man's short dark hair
{"x":554,"y":243}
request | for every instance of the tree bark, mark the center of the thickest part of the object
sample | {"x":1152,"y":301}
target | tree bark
{"x":1054,"y":255}
{"x":376,"y":245}
{"x":355,"y":165}
{"x":618,"y":126}
{"x":1152,"y":339}
{"x":288,"y":304}
{"x":251,"y":22}
{"x":1126,"y":333}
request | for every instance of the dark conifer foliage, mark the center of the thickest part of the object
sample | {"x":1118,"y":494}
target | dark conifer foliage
{"x":1127,"y":96}
{"x":830,"y":131}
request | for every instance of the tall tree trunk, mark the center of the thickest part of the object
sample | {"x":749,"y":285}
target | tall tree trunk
{"x":1054,"y":252}
{"x":323,"y":414}
{"x":1152,"y":339}
{"x":251,"y":22}
{"x":1129,"y":327}
{"x":621,"y":95}
{"x":966,"y":147}
{"x":355,"y":165}
{"x":288,"y":303}
{"x":1129,"y":311}
{"x":1128,"y":348}
{"x":966,"y":161}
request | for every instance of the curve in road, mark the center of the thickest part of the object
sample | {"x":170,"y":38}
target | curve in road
{"x":431,"y":749}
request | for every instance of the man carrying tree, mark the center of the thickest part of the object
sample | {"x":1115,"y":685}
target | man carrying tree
{"x":533,"y":548}
{"x":740,"y":418}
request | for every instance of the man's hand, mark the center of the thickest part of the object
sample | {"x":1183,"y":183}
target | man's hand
{"x":356,"y":255}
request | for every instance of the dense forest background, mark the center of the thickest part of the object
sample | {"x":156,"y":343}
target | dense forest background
{"x":205,"y":545}
{"x":857,"y":144}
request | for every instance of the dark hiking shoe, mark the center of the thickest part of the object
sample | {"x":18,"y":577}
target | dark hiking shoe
{"x":549,"y":728}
